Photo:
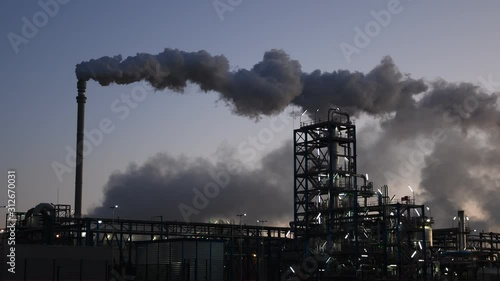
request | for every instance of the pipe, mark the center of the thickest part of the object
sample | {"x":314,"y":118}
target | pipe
{"x":461,"y":230}
{"x":80,"y":100}
{"x":333,"y":111}
{"x":363,"y":176}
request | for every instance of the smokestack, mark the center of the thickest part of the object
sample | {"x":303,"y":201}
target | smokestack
{"x":80,"y":100}
{"x":461,"y":230}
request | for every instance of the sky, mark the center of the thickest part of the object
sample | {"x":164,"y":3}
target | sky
{"x":456,"y":41}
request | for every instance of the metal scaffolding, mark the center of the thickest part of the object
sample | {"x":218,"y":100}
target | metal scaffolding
{"x":338,"y":215}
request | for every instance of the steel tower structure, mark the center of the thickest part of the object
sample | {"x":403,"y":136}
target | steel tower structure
{"x":350,"y":229}
{"x":324,"y":182}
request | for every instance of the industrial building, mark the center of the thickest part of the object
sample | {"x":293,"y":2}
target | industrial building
{"x":344,"y":228}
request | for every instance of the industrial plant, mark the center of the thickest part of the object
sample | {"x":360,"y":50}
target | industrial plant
{"x":344,"y":228}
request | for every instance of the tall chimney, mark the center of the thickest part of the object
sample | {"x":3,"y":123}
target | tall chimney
{"x":80,"y":100}
{"x":462,"y":236}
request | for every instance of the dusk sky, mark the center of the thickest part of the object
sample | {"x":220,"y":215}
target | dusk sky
{"x":457,"y":41}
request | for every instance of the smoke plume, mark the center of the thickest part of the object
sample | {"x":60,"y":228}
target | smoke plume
{"x":268,"y":88}
{"x":440,"y":137}
{"x":173,"y":181}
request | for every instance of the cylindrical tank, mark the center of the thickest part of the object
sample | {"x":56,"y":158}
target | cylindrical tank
{"x":428,"y":235}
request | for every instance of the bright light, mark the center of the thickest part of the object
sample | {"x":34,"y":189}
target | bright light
{"x":367,"y":178}
{"x":428,"y":209}
{"x":420,"y":245}
{"x":57,"y":235}
{"x":99,"y":221}
{"x":329,"y":259}
{"x":347,"y":236}
{"x":291,"y":268}
{"x":303,"y":112}
{"x":288,"y":233}
{"x":454,"y":218}
{"x":416,"y":211}
{"x":411,"y":189}
{"x":318,"y":216}
{"x":467,"y":218}
{"x":379,"y":191}
{"x":345,"y":158}
{"x":364,"y":256}
{"x":414,"y":253}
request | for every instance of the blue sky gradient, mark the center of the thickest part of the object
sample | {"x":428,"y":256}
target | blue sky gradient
{"x":454,"y":40}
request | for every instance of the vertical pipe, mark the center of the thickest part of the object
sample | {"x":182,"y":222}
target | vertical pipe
{"x":80,"y":100}
{"x":461,"y":230}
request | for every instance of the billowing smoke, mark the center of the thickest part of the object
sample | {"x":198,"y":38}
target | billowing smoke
{"x":268,"y":88}
{"x":382,"y":90}
{"x":437,"y":136}
{"x":444,"y":145}
{"x":199,"y":190}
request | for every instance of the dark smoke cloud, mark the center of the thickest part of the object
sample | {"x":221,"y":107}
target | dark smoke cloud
{"x":451,"y":171}
{"x":456,"y":172}
{"x":267,"y":88}
{"x":382,"y":90}
{"x":162,"y":183}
